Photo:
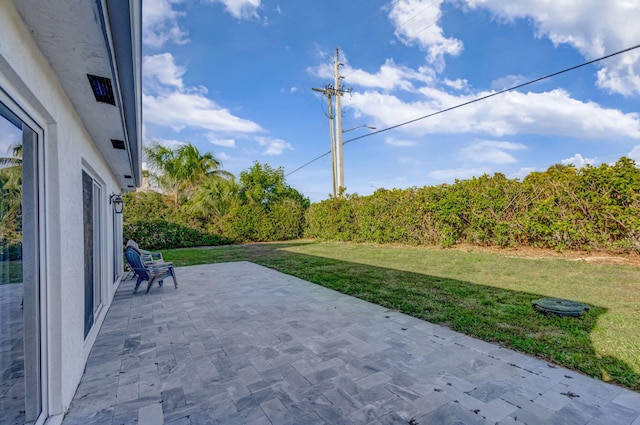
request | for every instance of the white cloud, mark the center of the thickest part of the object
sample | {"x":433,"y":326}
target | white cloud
{"x":548,"y":113}
{"x":579,"y":161}
{"x":227,"y":143}
{"x":168,"y":143}
{"x":418,"y":21}
{"x":507,"y":82}
{"x":389,"y":77}
{"x":458,"y":84}
{"x":161,"y":70}
{"x":635,"y":154}
{"x":169,"y":103}
{"x":9,"y":136}
{"x":273,"y":146}
{"x":491,"y":151}
{"x":522,"y":173}
{"x":399,"y":142}
{"x":179,"y":110}
{"x":241,"y":9}
{"x":593,"y":27}
{"x":223,"y":156}
{"x":160,"y":23}
{"x":293,"y":89}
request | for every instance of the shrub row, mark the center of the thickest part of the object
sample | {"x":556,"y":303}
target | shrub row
{"x":258,"y":223}
{"x":10,"y":251}
{"x":154,"y":225}
{"x":593,"y":208}
{"x":162,"y":234}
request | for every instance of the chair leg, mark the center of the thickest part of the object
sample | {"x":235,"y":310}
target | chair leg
{"x":173,"y":275}
{"x":153,"y":279}
{"x":138,"y":282}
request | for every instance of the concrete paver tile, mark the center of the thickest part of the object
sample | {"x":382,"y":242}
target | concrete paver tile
{"x":151,"y":414}
{"x":614,"y":414}
{"x":629,"y":400}
{"x":276,"y":411}
{"x":240,"y":343}
{"x":204,"y":417}
{"x":129,"y":418}
{"x":570,"y":414}
{"x":342,"y":401}
{"x":452,"y":413}
{"x":497,"y":410}
{"x":487,"y":392}
{"x":255,"y":399}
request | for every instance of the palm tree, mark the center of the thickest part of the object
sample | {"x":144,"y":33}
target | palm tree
{"x":10,"y":203}
{"x":11,"y":195}
{"x":214,"y":198}
{"x":197,"y":168}
{"x":15,"y":158}
{"x":179,"y":172}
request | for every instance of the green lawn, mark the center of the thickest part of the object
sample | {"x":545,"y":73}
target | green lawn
{"x":485,"y":295}
{"x":11,"y":272}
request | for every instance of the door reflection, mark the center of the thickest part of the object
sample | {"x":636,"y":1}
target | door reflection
{"x":20,"y":393}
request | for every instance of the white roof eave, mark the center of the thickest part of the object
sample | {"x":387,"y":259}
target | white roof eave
{"x":100,"y":37}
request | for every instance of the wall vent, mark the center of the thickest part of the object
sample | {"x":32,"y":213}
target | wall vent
{"x":102,"y":89}
{"x":127,"y":176}
{"x":118,"y":144}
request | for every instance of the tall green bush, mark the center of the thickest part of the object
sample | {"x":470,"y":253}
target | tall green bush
{"x":563,"y":207}
{"x":261,"y":207}
{"x":162,"y":234}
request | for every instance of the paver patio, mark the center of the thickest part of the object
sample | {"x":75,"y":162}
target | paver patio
{"x":238,"y":343}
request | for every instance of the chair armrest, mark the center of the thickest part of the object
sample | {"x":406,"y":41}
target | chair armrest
{"x":153,"y":256}
{"x":160,"y":266}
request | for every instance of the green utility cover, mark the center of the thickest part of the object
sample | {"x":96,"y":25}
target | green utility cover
{"x":560,"y":307}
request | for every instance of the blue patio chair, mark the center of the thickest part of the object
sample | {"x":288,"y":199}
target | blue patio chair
{"x":150,"y":272}
{"x":148,"y":257}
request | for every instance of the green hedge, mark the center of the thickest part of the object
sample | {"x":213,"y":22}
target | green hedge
{"x":260,"y":223}
{"x":154,"y":224}
{"x":594,"y":208}
{"x":10,"y":251}
{"x":162,"y":234}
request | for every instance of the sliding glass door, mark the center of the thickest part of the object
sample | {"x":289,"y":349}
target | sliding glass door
{"x":92,"y":220}
{"x":20,"y":291}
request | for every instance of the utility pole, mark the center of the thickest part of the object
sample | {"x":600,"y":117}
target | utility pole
{"x":337,"y":162}
{"x":338,"y":93}
{"x":328,"y":91}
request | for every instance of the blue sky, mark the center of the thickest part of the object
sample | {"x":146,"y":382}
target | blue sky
{"x":234,"y":77}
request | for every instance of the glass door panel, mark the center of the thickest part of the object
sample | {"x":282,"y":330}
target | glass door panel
{"x":20,"y":333}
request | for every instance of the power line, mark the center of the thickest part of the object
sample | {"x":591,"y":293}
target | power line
{"x":308,"y":163}
{"x":619,"y":52}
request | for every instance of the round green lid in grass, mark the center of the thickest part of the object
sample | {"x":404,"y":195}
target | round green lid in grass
{"x":560,"y":307}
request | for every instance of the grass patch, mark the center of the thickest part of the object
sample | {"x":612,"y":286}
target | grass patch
{"x":10,"y":272}
{"x":484,"y":295}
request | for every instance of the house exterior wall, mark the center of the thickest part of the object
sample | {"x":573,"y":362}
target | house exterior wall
{"x":67,"y":149}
